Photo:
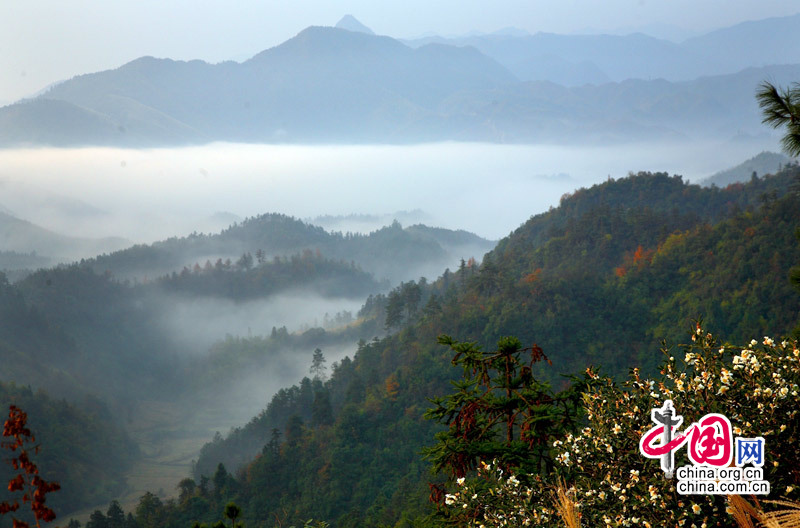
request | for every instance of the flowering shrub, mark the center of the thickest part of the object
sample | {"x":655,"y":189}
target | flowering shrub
{"x":612,"y":484}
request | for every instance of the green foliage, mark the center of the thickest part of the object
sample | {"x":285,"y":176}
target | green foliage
{"x":782,"y":109}
{"x":554,"y":281}
{"x":244,"y":281}
{"x":755,"y":386}
{"x":499,"y":411}
{"x":86,"y":451}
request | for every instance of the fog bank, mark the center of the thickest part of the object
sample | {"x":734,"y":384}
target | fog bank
{"x":151,"y":194}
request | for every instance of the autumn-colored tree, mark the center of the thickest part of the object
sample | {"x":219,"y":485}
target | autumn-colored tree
{"x":34,"y":488}
{"x":499,"y":410}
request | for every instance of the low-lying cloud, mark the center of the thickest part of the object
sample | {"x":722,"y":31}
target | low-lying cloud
{"x":152,"y":194}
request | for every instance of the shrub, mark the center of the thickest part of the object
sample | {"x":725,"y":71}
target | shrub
{"x":612,"y":484}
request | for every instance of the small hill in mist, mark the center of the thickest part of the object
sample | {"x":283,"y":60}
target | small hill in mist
{"x":391,"y":252}
{"x":760,"y":165}
{"x":21,"y":236}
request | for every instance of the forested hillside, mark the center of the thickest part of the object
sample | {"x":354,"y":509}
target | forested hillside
{"x":391,"y":252}
{"x":83,"y":447}
{"x":600,"y":280}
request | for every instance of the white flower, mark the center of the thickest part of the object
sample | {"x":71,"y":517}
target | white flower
{"x":460,"y":481}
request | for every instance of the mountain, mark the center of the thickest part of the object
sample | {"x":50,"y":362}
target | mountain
{"x":573,"y":60}
{"x":21,"y":236}
{"x":752,"y":43}
{"x":760,"y":164}
{"x":325,"y":84}
{"x":600,"y":280}
{"x":350,"y":23}
{"x":595,"y":58}
{"x":337,"y":85}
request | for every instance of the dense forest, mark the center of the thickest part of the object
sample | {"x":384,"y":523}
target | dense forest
{"x":600,"y":280}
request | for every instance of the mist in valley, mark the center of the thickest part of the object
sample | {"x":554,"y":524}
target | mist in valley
{"x":198,"y":323}
{"x":152,"y":194}
{"x":227,"y":359}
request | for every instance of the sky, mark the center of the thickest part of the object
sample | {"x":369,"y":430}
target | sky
{"x":45,"y":41}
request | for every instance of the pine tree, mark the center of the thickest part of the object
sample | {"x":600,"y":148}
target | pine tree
{"x":318,"y":367}
{"x":782,"y":108}
{"x":499,"y":411}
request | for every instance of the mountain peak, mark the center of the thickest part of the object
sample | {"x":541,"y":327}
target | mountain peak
{"x":350,"y":23}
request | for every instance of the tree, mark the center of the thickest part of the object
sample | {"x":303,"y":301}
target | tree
{"x":28,"y":481}
{"x":782,"y":108}
{"x":318,"y":368}
{"x":232,"y":511}
{"x":273,"y":447}
{"x":394,"y":309}
{"x":186,"y":489}
{"x":149,"y":511}
{"x":412,"y":294}
{"x":97,"y":520}
{"x":115,"y":517}
{"x":245,"y":262}
{"x":321,"y":411}
{"x":220,"y":479}
{"x":499,"y":411}
{"x":294,"y":430}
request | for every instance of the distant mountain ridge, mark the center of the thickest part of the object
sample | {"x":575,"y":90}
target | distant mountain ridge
{"x":345,"y":84}
{"x":759,"y":165}
{"x":597,"y":58}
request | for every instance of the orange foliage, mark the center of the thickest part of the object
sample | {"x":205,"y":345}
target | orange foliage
{"x":392,"y":387}
{"x":28,"y":481}
{"x":532,"y":277}
{"x":620,"y":271}
{"x":637,"y":256}
{"x":642,"y":256}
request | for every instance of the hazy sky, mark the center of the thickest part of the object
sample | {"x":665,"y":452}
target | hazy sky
{"x":44,"y":41}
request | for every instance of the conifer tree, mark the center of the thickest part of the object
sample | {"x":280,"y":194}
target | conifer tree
{"x":499,"y":410}
{"x":782,"y":108}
